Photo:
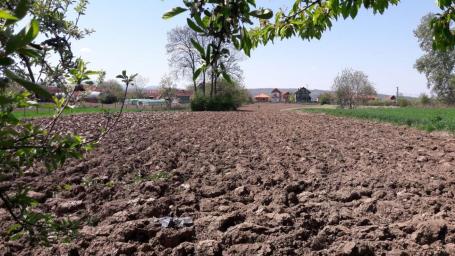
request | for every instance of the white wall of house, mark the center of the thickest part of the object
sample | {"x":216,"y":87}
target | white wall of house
{"x":276,"y":97}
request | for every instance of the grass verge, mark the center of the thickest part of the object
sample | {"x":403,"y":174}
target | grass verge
{"x":428,"y":119}
{"x":48,"y":112}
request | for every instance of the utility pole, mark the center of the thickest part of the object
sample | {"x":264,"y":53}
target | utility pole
{"x":398,"y":93}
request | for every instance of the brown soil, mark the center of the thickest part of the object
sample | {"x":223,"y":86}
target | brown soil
{"x":254,"y":182}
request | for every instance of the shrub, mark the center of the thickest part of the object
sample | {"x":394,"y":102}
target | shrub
{"x":108,"y":98}
{"x":199,"y":103}
{"x":424,"y":99}
{"x":217,"y":103}
{"x":402,"y":102}
{"x":380,"y":103}
{"x":325,"y":98}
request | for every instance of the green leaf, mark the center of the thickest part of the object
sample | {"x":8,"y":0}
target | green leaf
{"x":193,"y":26}
{"x":175,"y":11}
{"x":245,"y":42}
{"x":197,"y":73}
{"x":91,"y":73}
{"x":32,"y":87}
{"x":227,"y":77}
{"x":30,"y":52}
{"x":198,"y":47}
{"x":252,"y":2}
{"x":21,"y":9}
{"x":354,"y":11}
{"x":4,"y":14}
{"x":209,"y":52}
{"x":6,"y":61}
{"x":13,"y":228}
{"x":24,"y":37}
{"x":200,"y":22}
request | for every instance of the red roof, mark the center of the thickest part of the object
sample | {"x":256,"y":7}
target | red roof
{"x":262,"y":96}
{"x":155,"y":94}
{"x":184,"y":93}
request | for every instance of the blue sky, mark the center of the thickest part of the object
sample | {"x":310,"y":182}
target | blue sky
{"x":131,"y":35}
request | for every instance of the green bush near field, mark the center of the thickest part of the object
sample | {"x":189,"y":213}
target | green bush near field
{"x":217,"y":103}
{"x":108,"y":98}
{"x":381,"y":103}
{"x":429,"y":119}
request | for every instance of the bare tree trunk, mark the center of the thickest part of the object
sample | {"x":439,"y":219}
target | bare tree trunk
{"x":194,"y":85}
{"x":203,"y":83}
{"x":211,"y":84}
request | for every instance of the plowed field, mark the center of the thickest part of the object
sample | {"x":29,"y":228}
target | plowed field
{"x":253,"y":182}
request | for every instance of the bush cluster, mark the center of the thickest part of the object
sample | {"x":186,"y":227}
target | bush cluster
{"x":108,"y":98}
{"x":402,"y":102}
{"x":217,"y":103}
{"x":326,"y":98}
{"x":381,"y":103}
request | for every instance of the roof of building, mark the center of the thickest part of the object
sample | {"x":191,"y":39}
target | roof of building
{"x":276,"y":90}
{"x":179,"y":93}
{"x":262,"y":95}
{"x":304,"y":90}
{"x":183,"y":93}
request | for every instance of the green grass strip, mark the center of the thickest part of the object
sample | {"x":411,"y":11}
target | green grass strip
{"x":428,"y":119}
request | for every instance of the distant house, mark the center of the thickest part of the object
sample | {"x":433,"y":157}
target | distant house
{"x":262,"y":98}
{"x":182,"y":96}
{"x":276,"y":95}
{"x":303,"y":95}
{"x":152,"y":94}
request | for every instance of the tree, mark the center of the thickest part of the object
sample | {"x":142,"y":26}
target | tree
{"x":57,"y":33}
{"x":424,"y":99}
{"x":326,"y":98}
{"x":185,"y":59}
{"x":168,"y":90}
{"x":438,"y":66}
{"x":112,"y":87}
{"x":139,"y":83}
{"x":24,"y":145}
{"x":78,"y":77}
{"x":352,"y":87}
{"x":233,"y":90}
{"x":233,"y":22}
{"x":101,"y":77}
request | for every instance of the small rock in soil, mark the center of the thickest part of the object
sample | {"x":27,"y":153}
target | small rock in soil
{"x":429,"y":232}
{"x":39,"y":197}
{"x":70,"y":206}
{"x":208,"y":248}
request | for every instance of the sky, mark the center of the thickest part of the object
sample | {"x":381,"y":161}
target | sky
{"x":132,"y":35}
